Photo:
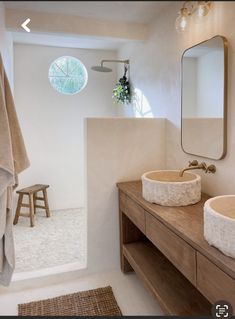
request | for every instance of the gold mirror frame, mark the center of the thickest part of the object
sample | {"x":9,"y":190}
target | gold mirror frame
{"x":225,"y":43}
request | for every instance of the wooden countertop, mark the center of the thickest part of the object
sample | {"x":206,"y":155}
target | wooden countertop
{"x":185,"y":221}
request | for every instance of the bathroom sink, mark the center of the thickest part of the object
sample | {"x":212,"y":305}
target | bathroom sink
{"x":219,"y":223}
{"x":168,"y":188}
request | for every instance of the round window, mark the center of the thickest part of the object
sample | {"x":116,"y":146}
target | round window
{"x":68,"y":75}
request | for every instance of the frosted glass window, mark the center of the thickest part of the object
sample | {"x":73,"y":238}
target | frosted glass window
{"x":68,"y":75}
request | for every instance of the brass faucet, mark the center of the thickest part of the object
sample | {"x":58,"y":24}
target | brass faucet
{"x":195,"y":165}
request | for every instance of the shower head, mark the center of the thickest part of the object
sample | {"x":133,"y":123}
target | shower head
{"x":101,"y":68}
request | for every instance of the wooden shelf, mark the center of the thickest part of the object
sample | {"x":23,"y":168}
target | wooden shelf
{"x":175,"y":294}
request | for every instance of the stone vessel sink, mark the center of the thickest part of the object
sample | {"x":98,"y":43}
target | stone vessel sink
{"x":167,"y":188}
{"x":219,"y":223}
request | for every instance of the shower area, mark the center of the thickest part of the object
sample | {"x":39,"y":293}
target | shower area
{"x":52,"y":123}
{"x":49,"y":244}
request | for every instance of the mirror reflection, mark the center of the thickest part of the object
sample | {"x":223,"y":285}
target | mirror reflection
{"x":203,"y":99}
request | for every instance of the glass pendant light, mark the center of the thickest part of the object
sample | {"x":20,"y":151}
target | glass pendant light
{"x":192,"y":9}
{"x":203,"y":8}
{"x":183,"y":20}
{"x":201,"y":11}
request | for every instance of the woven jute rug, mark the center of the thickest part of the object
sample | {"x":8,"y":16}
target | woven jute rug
{"x":97,"y":302}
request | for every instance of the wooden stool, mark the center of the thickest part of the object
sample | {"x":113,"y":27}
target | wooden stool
{"x":31,"y":192}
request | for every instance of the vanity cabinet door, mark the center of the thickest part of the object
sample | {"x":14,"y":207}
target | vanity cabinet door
{"x":182,"y":255}
{"x":213,"y":283}
{"x":135,"y":213}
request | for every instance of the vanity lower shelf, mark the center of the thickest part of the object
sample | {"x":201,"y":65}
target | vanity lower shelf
{"x":174,"y":292}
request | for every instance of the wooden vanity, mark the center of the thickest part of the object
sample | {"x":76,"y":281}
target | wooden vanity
{"x":166,"y":249}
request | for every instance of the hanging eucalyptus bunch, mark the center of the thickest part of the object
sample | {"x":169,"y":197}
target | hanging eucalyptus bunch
{"x":122,"y":90}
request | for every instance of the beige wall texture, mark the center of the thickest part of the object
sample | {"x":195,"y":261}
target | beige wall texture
{"x":117,"y":150}
{"x":52,"y":123}
{"x":69,"y":24}
{"x":156,"y":70}
{"x":6,"y":46}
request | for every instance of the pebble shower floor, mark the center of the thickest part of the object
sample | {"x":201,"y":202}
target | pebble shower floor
{"x":54,"y":241}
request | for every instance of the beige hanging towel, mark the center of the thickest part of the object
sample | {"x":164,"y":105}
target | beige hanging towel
{"x":13,"y":160}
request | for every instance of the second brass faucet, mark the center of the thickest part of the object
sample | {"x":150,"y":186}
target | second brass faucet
{"x":195,"y":165}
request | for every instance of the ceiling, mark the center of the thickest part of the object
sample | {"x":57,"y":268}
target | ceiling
{"x":128,"y":11}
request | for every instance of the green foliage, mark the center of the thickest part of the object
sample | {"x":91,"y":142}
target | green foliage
{"x":122,"y":91}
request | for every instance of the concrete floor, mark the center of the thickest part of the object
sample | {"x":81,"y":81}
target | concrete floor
{"x":58,"y":277}
{"x":132,"y":297}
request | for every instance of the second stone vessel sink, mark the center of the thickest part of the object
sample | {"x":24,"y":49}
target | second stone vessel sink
{"x":167,"y":188}
{"x":219,"y":223}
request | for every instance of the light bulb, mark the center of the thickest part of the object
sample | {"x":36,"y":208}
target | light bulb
{"x":182,"y":21}
{"x":202,"y":9}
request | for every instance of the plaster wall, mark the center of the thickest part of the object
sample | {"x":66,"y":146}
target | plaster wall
{"x":6,"y":46}
{"x":44,"y":22}
{"x":53,"y":124}
{"x":156,"y":70}
{"x":117,"y":150}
